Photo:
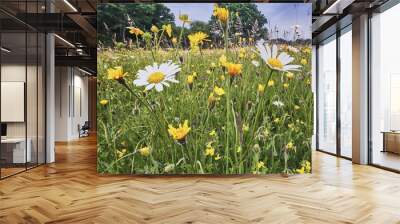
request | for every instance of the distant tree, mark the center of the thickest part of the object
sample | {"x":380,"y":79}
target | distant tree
{"x":245,"y":19}
{"x":113,"y":19}
{"x":199,"y":26}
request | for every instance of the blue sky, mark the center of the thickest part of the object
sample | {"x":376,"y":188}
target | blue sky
{"x":283,"y":15}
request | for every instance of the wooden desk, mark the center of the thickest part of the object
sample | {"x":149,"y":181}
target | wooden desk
{"x":13,"y":150}
{"x":391,"y":141}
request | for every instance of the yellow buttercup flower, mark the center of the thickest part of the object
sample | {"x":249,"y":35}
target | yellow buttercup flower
{"x":219,"y":91}
{"x":307,"y":50}
{"x":168,"y":29}
{"x":289,"y":145}
{"x":271,"y":83}
{"x":190,"y":79}
{"x":289,"y":75}
{"x":145,"y":151}
{"x":103,"y":102}
{"x":116,"y":73}
{"x":303,"y":61}
{"x":136,"y":31}
{"x":222,"y":77}
{"x":261,"y":88}
{"x":223,"y":61}
{"x":209,"y":151}
{"x":180,"y":132}
{"x":154,"y":29}
{"x":301,"y":170}
{"x":184,"y":18}
{"x":121,"y":153}
{"x":234,"y":69}
{"x":260,"y":165}
{"x":217,"y":157}
{"x":222,"y":14}
{"x":212,"y":133}
{"x":285,"y":85}
{"x":208,"y":72}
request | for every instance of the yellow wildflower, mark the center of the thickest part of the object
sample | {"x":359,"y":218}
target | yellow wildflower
{"x":184,"y":18}
{"x":213,"y":133}
{"x":209,"y":151}
{"x":136,"y":31}
{"x":145,"y":151}
{"x":219,"y":91}
{"x":222,"y":77}
{"x":260,"y":165}
{"x":261,"y":88}
{"x":303,"y":61}
{"x":234,"y":69}
{"x":223,"y":61}
{"x":174,"y":40}
{"x":239,"y":149}
{"x":197,"y":39}
{"x":296,"y":107}
{"x":180,"y":132}
{"x":190,"y":79}
{"x":301,"y":170}
{"x":116,"y":73}
{"x":222,"y":14}
{"x":168,"y":29}
{"x":271,"y":83}
{"x":213,"y":65}
{"x":121,"y":153}
{"x":154,"y":29}
{"x":103,"y":102}
{"x":285,"y":85}
{"x":289,"y":75}
{"x":277,"y":120}
{"x":289,"y":145}
{"x":291,"y":125}
{"x":217,"y":157}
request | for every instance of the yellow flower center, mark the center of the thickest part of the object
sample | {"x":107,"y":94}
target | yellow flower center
{"x":156,"y":77}
{"x":275,"y":63}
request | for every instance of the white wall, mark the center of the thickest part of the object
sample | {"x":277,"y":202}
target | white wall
{"x":71,"y":102}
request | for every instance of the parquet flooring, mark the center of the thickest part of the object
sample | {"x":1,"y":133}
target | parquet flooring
{"x":70,"y":191}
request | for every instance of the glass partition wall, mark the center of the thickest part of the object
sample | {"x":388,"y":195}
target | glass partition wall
{"x":22,"y":77}
{"x":385,"y":90}
{"x":334,"y":94}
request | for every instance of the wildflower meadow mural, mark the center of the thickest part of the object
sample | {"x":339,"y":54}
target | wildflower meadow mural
{"x":202,"y":88}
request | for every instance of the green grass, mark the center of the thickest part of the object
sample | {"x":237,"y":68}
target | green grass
{"x":126,"y":125}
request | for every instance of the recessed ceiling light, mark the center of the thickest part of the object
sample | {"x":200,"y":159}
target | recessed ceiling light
{"x":65,"y":41}
{"x":5,"y":50}
{"x":70,"y":5}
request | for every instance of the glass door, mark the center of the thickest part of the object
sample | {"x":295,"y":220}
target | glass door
{"x":327,"y":96}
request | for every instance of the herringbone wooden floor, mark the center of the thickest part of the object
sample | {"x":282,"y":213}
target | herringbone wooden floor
{"x":70,"y":191}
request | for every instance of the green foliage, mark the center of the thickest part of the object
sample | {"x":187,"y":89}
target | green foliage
{"x":113,"y":19}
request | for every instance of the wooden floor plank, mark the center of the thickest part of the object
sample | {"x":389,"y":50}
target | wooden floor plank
{"x":70,"y":191}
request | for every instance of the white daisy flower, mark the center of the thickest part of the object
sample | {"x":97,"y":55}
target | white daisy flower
{"x":157,"y":76}
{"x":274,"y":61}
{"x":255,"y":63}
{"x":278,"y":103}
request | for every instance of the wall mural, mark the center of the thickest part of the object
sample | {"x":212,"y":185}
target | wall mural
{"x":202,"y":88}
